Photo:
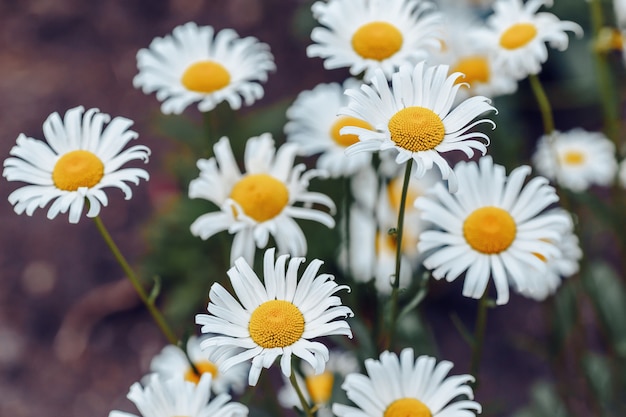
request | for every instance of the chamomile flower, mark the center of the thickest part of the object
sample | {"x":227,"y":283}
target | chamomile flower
{"x":415,"y":118}
{"x":576,"y":159}
{"x":318,"y":389}
{"x":518,"y":34}
{"x":195,"y":64}
{"x":372,"y":34}
{"x":400,"y":386}
{"x":277,"y":317}
{"x":464,"y":54}
{"x":563,"y":266}
{"x":372,"y":249}
{"x":82,"y":155}
{"x":493,"y":227}
{"x":260,"y":202}
{"x":313,"y":124}
{"x":173,"y":361}
{"x":167,"y":397}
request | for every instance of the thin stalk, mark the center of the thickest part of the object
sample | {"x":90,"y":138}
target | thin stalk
{"x":303,"y":401}
{"x":544,"y":104}
{"x":395,"y":286}
{"x":479,"y":336}
{"x":154,"y":311}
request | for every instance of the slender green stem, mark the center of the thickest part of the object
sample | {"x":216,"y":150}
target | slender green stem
{"x":154,"y":311}
{"x":303,"y":401}
{"x":347,"y":200}
{"x":609,"y":101}
{"x":209,"y":124}
{"x":395,"y":285}
{"x":544,"y":104}
{"x":479,"y":336}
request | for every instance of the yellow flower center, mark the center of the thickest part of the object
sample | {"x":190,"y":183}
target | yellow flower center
{"x":407,"y":407}
{"x":340,"y":123}
{"x":202,"y":367}
{"x":320,"y":387}
{"x":260,"y":196}
{"x":205,"y":77}
{"x":377,"y":40}
{"x":77,"y":169}
{"x":489,"y":229}
{"x":475,"y":68}
{"x":416,"y":129}
{"x":276,"y":323}
{"x":518,"y":35}
{"x":394,"y":190}
{"x":573,"y":158}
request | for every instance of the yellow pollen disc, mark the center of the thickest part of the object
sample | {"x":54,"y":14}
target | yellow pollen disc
{"x":416,"y":129}
{"x":573,"y":158}
{"x":394,"y":190}
{"x":340,"y":123}
{"x":261,"y":196}
{"x":77,"y":169}
{"x":320,"y":387}
{"x":377,"y":40}
{"x":475,"y":68}
{"x":276,"y":323}
{"x":518,"y":35}
{"x":205,"y":77}
{"x":489,"y":229}
{"x":407,"y":407}
{"x":202,"y":368}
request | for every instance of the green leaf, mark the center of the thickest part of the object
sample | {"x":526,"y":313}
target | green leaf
{"x":608,"y":295}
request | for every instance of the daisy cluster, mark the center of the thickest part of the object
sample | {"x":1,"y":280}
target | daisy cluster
{"x":408,"y":131}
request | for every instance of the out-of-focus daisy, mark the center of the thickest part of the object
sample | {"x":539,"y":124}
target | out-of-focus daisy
{"x":619,"y":7}
{"x":196,"y":64}
{"x":314,"y":125}
{"x":518,"y":34}
{"x":262,"y":201}
{"x":368,"y":34}
{"x":372,"y":249}
{"x":279,"y":317}
{"x":544,"y":284}
{"x":493,"y":227}
{"x":462,"y":53}
{"x":82,"y":156}
{"x":415,"y":118}
{"x":318,"y":389}
{"x":168,"y":397}
{"x":404,"y":386}
{"x":576,"y":159}
{"x":173,"y":361}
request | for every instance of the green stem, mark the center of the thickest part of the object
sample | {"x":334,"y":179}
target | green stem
{"x":479,"y":336}
{"x":609,"y":101}
{"x":303,"y":401}
{"x":395,"y":286}
{"x":154,"y":312}
{"x":544,"y":104}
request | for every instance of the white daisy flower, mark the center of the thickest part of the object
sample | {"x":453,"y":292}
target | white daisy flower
{"x":313,"y":124}
{"x":401,"y":386}
{"x":464,"y":54}
{"x":176,"y":397}
{"x":173,"y":361}
{"x":318,"y":389}
{"x":576,"y":159}
{"x":372,"y":250}
{"x":82,"y":156}
{"x":518,"y":33}
{"x":279,"y":317}
{"x":493,"y":227}
{"x":262,"y":201}
{"x":567,"y":264}
{"x":414,"y":117}
{"x":196,"y":64}
{"x":365,"y":35}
